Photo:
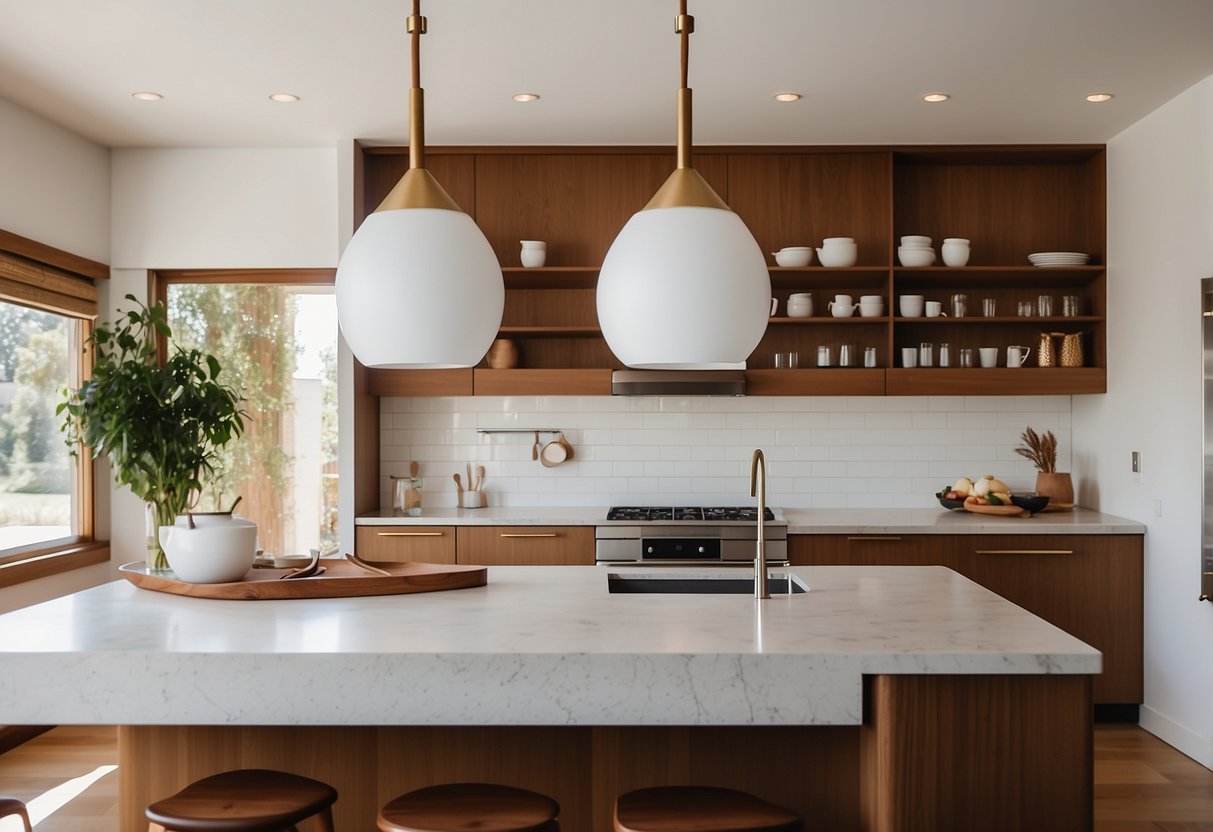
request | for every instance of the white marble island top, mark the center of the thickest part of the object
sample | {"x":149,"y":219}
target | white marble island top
{"x":536,"y":646}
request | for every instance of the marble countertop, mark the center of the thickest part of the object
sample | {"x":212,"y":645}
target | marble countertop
{"x":800,"y":520}
{"x":535,"y":646}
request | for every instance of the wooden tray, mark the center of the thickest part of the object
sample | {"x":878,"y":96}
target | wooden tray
{"x":341,"y":579}
{"x":1000,"y":511}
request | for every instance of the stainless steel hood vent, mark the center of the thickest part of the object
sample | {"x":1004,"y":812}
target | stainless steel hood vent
{"x":678,"y":383}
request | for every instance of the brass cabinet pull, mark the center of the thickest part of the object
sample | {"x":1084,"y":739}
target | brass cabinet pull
{"x":875,"y":537}
{"x":1025,"y":551}
{"x":411,"y":534}
{"x":529,"y":534}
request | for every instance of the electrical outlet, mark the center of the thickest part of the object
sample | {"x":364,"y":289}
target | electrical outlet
{"x":1135,"y":467}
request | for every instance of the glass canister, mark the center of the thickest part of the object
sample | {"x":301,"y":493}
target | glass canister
{"x":406,"y":496}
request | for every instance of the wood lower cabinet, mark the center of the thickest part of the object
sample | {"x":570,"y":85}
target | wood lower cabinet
{"x":1088,"y":585}
{"x":423,"y":544}
{"x":526,"y":545}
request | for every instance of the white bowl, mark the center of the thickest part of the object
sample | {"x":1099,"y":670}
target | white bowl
{"x":915,"y":257}
{"x":794,"y":257}
{"x":838,"y":256}
{"x":220,"y":550}
{"x":871,"y":310}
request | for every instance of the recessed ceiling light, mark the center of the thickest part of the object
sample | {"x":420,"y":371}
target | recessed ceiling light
{"x":936,"y":97}
{"x":787,"y":96}
{"x":147,"y":96}
{"x":526,"y":96}
{"x":1100,"y":97}
{"x":284,"y":98}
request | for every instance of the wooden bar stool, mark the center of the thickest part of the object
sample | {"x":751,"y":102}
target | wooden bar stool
{"x":700,"y":809}
{"x":462,"y":807}
{"x":13,"y":806}
{"x":245,"y":800}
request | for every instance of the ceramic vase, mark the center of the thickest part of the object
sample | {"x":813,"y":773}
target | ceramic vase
{"x":1059,"y":488}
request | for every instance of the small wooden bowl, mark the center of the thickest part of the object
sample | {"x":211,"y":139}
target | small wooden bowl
{"x":503,"y":354}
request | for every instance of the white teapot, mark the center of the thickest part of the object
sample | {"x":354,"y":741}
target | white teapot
{"x":219,"y":548}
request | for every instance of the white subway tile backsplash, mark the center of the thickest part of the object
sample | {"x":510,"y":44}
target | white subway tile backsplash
{"x":821,"y":451}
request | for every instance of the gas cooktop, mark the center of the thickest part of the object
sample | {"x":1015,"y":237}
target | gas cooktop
{"x":649,"y":514}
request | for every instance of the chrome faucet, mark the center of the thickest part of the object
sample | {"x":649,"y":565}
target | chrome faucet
{"x":758,"y":488}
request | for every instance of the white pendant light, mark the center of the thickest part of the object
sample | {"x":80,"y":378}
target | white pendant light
{"x":418,"y":285}
{"x":684,"y":285}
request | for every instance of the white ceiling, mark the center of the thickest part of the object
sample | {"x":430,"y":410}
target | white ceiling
{"x":606,"y":69}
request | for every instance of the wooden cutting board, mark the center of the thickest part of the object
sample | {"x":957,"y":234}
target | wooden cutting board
{"x":998,"y":511}
{"x":341,"y":579}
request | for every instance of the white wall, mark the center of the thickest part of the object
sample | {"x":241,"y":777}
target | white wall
{"x":56,"y":190}
{"x":225,"y":208}
{"x":56,"y":185}
{"x":1160,"y":244}
{"x":821,"y":452}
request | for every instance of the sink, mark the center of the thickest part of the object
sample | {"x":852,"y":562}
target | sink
{"x":668,"y":584}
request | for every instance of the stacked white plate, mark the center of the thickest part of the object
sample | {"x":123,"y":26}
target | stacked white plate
{"x":1055,"y":259}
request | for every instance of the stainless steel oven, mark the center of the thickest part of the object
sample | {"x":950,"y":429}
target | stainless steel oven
{"x":664,"y":536}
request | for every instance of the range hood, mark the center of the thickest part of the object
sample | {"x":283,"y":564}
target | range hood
{"x":678,"y":383}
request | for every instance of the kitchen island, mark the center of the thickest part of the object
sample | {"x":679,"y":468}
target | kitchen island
{"x":884,"y":698}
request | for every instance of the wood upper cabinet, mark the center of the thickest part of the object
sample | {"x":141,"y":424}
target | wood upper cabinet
{"x":420,"y":544}
{"x":526,"y":545}
{"x":1009,"y":201}
{"x":1091,"y":586}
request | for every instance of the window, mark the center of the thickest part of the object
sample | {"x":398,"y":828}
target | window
{"x":275,"y":336}
{"x":46,"y":495}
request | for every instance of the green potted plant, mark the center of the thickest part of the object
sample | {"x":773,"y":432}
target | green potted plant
{"x":160,"y":425}
{"x":1041,"y":449}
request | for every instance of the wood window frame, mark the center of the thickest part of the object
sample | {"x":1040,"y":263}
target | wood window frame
{"x":40,"y":277}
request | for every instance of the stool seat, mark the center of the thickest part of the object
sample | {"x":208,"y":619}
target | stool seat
{"x":461,"y":807}
{"x":13,"y":806}
{"x":700,"y":809}
{"x":245,"y":800}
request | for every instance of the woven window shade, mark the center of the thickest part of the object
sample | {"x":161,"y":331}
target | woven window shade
{"x":45,"y":287}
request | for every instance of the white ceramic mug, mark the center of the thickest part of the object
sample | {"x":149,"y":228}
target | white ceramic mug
{"x":842,"y":307}
{"x":1017,"y":356}
{"x":871,"y":310}
{"x":909,"y":356}
{"x":911,"y":305}
{"x":934,"y":308}
{"x":989,"y":356}
{"x":534,"y":253}
{"x":774,"y":306}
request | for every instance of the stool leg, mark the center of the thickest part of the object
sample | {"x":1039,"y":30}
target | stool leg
{"x":155,"y":827}
{"x":326,"y":819}
{"x":25,"y":819}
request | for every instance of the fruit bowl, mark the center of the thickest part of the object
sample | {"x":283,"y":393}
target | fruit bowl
{"x":1031,"y":502}
{"x":950,"y":505}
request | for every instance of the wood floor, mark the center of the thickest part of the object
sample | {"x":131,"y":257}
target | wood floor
{"x":1141,"y":783}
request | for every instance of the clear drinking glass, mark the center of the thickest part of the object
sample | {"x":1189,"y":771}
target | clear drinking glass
{"x":1025,"y":309}
{"x":1044,"y":306}
{"x":793,"y":360}
{"x":959,"y":305}
{"x":926,"y":354}
{"x":824,"y":358}
{"x":869,"y":357}
{"x":845,"y":353}
{"x":966,"y":357}
{"x":945,"y":355}
{"x":989,"y":307}
{"x":1069,"y":306}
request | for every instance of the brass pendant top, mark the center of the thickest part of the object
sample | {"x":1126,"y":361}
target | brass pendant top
{"x":417,"y":189}
{"x":686,"y":188}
